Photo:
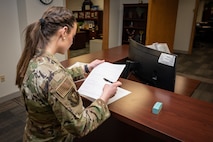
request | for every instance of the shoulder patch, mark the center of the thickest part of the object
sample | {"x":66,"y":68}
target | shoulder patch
{"x":64,"y":88}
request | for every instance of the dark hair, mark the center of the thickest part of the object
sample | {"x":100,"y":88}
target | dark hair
{"x":38,"y":34}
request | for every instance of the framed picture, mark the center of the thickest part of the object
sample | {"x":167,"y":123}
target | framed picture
{"x":75,"y":14}
{"x":81,"y":15}
{"x":87,"y":7}
{"x":87,"y":14}
{"x":92,"y":14}
{"x":95,"y":14}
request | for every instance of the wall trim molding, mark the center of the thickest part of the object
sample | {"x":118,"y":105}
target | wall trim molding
{"x":180,"y":51}
{"x":10,"y":96}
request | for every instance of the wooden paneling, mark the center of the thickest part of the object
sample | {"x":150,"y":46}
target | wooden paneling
{"x":161,"y":24}
{"x":106,"y":24}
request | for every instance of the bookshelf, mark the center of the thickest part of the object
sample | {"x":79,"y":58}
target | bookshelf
{"x":90,"y":21}
{"x":134,"y":22}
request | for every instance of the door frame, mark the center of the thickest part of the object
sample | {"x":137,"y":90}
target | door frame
{"x":105,"y":43}
{"x":193,"y":26}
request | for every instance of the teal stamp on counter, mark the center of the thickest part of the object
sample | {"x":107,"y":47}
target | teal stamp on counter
{"x":157,"y":107}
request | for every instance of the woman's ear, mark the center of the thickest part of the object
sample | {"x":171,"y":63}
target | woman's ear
{"x":63,"y":32}
{"x":65,"y":29}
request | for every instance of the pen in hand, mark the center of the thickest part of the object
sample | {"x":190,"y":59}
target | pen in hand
{"x":107,"y":80}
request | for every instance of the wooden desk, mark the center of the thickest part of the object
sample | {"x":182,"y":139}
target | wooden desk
{"x":183,"y":85}
{"x":111,"y":55}
{"x":181,"y":118}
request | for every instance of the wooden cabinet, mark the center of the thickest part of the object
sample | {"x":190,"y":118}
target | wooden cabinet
{"x":80,"y":40}
{"x":134,"y":22}
{"x":90,"y":21}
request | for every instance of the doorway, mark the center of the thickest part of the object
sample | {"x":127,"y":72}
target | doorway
{"x":203,"y":26}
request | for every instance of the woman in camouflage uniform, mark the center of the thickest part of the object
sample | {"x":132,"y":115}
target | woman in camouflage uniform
{"x":54,"y":108}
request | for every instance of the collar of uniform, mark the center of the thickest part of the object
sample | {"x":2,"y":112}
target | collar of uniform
{"x":51,"y":56}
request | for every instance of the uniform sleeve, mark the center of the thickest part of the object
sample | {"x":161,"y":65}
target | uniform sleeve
{"x":77,"y":73}
{"x":68,"y":107}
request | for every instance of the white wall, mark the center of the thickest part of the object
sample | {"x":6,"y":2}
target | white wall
{"x":114,"y":27}
{"x":22,"y":19}
{"x":184,"y":22}
{"x":200,"y":10}
{"x":10,"y":47}
{"x":16,"y":15}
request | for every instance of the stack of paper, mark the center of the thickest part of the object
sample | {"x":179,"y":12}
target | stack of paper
{"x":163,"y":47}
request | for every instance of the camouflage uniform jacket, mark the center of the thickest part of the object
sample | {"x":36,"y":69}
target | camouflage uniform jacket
{"x":55,"y":110}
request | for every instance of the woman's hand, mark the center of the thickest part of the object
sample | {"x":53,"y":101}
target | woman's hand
{"x":109,"y":90}
{"x":94,"y":63}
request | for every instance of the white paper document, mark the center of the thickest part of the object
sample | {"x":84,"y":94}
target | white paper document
{"x":93,"y":85}
{"x":163,"y":47}
{"x":167,"y":59}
